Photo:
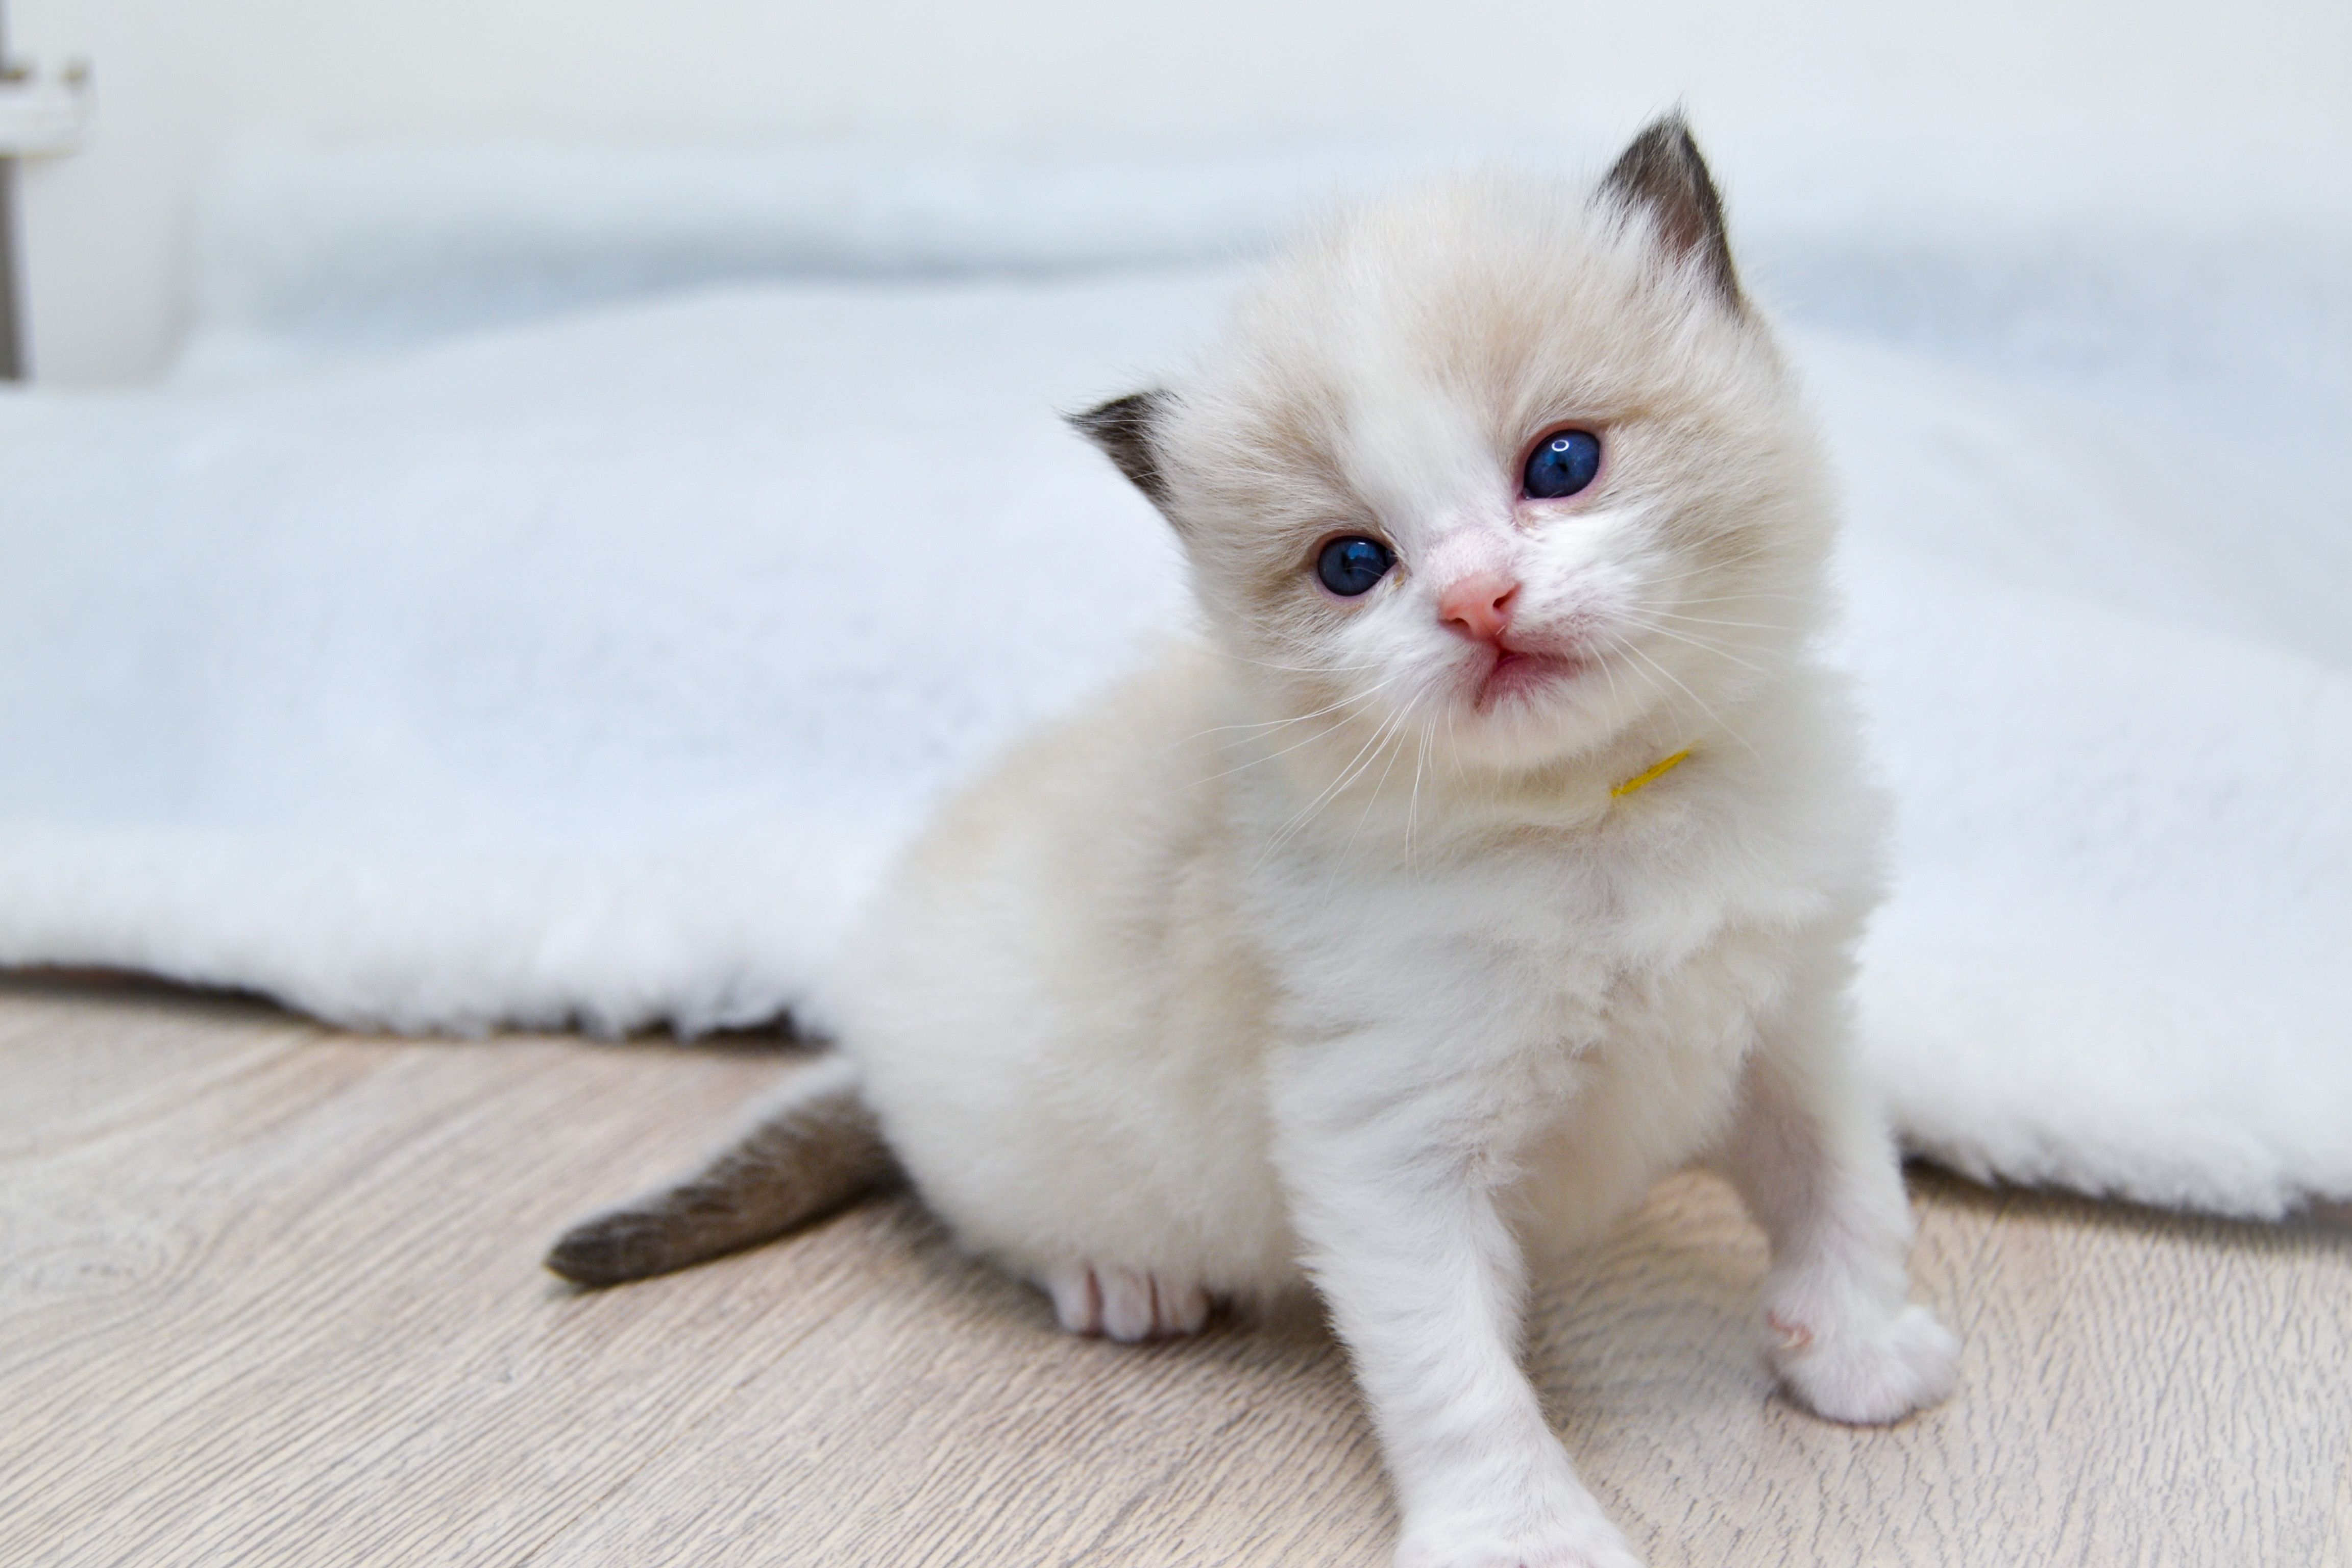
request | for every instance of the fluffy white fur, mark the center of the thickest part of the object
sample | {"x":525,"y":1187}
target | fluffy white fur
{"x":1327,"y":943}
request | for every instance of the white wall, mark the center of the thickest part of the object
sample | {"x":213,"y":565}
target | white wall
{"x":1849,"y":100}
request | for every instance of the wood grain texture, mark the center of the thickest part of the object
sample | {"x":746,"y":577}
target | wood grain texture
{"x":269,"y":1294}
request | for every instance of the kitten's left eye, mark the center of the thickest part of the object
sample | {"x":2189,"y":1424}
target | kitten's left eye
{"x":1562,"y":464}
{"x":1351,"y":566}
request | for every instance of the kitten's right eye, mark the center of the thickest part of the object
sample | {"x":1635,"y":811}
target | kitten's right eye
{"x":1351,"y":566}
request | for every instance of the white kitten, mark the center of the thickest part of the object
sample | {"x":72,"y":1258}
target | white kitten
{"x":1499,"y":849}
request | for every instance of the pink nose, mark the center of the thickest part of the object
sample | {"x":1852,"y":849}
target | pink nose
{"x":1479,"y":607}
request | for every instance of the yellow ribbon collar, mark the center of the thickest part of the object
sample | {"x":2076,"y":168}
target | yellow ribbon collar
{"x":1649,"y":775}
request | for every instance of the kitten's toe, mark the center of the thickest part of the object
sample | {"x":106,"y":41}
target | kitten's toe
{"x":1182,"y":1308}
{"x":1531,"y":1514}
{"x":1077,"y":1297}
{"x":1128,"y":1314}
{"x":1871,"y":1375}
{"x":1586,"y":1541}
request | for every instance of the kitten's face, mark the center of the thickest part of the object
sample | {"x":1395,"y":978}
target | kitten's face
{"x":1500,"y":472}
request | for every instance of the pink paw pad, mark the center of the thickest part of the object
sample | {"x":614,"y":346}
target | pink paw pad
{"x":1125,"y":1304}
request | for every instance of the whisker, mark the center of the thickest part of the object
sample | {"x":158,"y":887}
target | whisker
{"x":1711,"y":713}
{"x":1394,"y":749}
{"x":1711,"y":621}
{"x":1412,"y":796}
{"x":1609,"y":670}
{"x":1295,"y":668}
{"x":1331,"y":729}
{"x":1331,"y":791}
{"x":1702,"y":646}
{"x":1295,"y":719}
{"x":1272,"y":724}
{"x":1760,"y":548}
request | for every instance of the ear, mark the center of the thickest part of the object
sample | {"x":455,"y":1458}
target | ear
{"x":1661,"y":174}
{"x":1123,"y":427}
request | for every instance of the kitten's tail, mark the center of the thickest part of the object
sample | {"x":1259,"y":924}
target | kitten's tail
{"x":813,"y":1148}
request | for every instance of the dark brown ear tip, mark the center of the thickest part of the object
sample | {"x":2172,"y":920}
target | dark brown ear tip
{"x":1120,"y":420}
{"x":1665,"y":151}
{"x":1122,"y":427}
{"x":1115,"y":412}
{"x":1671,"y":128}
{"x":1663,"y":171}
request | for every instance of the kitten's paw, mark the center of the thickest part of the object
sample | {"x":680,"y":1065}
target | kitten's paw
{"x":1125,"y":1304}
{"x":1871,"y":1373}
{"x":1586,"y":1541}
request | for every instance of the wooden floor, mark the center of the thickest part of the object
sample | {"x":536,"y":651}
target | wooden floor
{"x":270,"y":1294}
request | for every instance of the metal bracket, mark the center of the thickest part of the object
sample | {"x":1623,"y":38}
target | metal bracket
{"x":42,"y":117}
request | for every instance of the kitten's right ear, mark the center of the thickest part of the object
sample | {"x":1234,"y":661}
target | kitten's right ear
{"x":1661,"y":174}
{"x":1123,"y":428}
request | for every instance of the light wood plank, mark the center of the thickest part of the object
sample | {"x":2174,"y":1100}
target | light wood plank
{"x":269,"y":1294}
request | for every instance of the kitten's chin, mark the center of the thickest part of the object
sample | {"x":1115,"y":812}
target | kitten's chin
{"x":1525,"y":679}
{"x":1532,"y":709}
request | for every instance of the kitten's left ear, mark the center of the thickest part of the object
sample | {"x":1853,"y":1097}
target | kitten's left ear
{"x":1661,"y":174}
{"x":1123,"y":427}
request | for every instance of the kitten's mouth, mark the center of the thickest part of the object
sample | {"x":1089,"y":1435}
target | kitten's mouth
{"x":1518,"y":672}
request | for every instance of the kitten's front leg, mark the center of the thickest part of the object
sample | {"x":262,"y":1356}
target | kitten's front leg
{"x":1393,"y":1197}
{"x":1815,"y":1168}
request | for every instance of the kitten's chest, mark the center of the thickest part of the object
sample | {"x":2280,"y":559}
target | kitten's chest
{"x":1560,"y":951}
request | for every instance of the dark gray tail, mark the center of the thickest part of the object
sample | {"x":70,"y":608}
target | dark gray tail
{"x":814,"y":1148}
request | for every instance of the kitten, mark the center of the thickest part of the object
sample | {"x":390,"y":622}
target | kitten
{"x":1499,"y":847}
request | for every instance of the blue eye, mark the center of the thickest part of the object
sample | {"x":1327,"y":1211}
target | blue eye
{"x":1351,"y":566}
{"x":1562,"y":464}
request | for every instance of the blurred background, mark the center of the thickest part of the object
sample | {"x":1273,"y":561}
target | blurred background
{"x":520,"y":505}
{"x":1826,"y":116}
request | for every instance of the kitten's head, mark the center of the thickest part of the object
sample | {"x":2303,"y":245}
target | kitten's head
{"x":1499,"y":466}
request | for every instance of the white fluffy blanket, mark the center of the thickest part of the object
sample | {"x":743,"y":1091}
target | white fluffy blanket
{"x":586,"y":669}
